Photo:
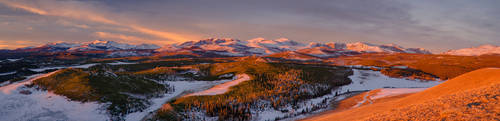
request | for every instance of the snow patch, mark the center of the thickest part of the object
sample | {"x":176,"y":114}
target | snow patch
{"x":388,"y":92}
{"x":8,"y":73}
{"x":363,"y":80}
{"x":13,"y":60}
{"x":222,"y":88}
{"x":120,"y":63}
{"x":9,"y":88}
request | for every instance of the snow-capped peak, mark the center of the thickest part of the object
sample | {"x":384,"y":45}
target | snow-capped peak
{"x":111,"y":45}
{"x":256,"y":39}
{"x":475,"y":51}
{"x":235,"y":47}
{"x":262,"y":46}
{"x":100,"y":42}
{"x":315,"y":44}
{"x":364,"y":47}
{"x":91,"y":45}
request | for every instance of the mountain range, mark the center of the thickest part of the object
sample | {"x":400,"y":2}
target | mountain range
{"x":214,"y":47}
{"x":88,"y":46}
{"x":265,"y":47}
{"x":476,"y":51}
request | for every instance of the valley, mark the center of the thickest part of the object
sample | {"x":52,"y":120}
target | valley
{"x":268,"y":87}
{"x":184,"y":85}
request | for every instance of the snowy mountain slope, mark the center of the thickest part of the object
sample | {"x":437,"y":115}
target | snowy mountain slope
{"x":234,"y":47}
{"x":388,"y":48}
{"x":215,"y":47}
{"x":87,"y":46}
{"x":97,"y":48}
{"x":475,"y":51}
{"x":262,"y":47}
{"x":111,"y":45}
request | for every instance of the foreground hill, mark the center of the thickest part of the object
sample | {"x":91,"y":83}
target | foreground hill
{"x":471,"y":96}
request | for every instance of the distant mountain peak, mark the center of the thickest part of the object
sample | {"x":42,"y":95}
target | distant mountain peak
{"x":283,"y":40}
{"x":475,"y":51}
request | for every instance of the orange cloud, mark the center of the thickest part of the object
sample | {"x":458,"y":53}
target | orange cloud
{"x":161,"y":34}
{"x":89,"y":15}
{"x":26,"y":8}
{"x":67,"y":23}
{"x":14,"y":44}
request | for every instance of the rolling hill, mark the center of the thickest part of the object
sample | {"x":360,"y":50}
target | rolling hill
{"x":473,"y":95}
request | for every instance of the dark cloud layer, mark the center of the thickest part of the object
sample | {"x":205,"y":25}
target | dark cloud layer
{"x":437,"y":25}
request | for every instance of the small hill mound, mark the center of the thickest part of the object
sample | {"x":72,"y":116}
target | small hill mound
{"x":463,"y":93}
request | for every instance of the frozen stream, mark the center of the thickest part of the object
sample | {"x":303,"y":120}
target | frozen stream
{"x":222,"y":88}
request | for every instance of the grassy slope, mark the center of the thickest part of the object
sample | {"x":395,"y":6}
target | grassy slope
{"x":471,"y":85}
{"x":443,"y":66}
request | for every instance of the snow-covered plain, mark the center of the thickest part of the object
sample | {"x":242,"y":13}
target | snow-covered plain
{"x":363,"y":80}
{"x":36,"y":105}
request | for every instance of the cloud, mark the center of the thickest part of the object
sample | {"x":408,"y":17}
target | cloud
{"x":26,"y":8}
{"x":128,"y":38}
{"x":14,"y":44}
{"x":87,"y":11}
{"x":437,"y":25}
{"x":71,"y":24}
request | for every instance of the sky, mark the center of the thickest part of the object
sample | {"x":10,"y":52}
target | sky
{"x":437,"y":25}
